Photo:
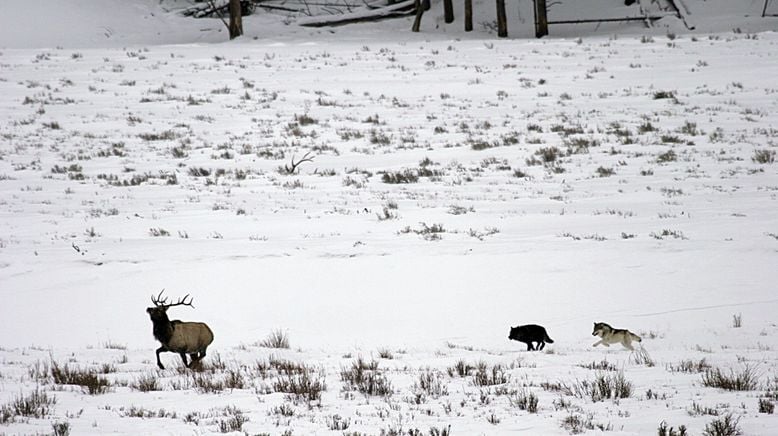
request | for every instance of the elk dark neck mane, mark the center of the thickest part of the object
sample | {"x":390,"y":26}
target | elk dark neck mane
{"x":163,"y":329}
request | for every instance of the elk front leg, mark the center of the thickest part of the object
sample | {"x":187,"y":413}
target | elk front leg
{"x":159,"y":362}
{"x":183,"y":357}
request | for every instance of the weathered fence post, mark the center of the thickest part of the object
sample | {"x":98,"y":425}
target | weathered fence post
{"x":502,"y":21}
{"x":541,"y":18}
{"x":468,"y":15}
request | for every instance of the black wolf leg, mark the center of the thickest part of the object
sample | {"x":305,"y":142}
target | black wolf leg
{"x":541,"y":346}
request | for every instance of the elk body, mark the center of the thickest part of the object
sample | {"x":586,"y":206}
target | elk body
{"x":176,"y":336}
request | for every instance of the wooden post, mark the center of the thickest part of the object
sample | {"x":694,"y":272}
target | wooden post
{"x":419,"y":13}
{"x":541,"y":18}
{"x":468,"y":15}
{"x":448,"y":11}
{"x":502,"y":21}
{"x":427,"y":4}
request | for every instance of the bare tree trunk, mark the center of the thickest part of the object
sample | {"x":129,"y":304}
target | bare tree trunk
{"x":502,"y":20}
{"x":419,"y":13}
{"x":468,"y":15}
{"x":541,"y":18}
{"x":448,"y":11}
{"x":236,"y":20}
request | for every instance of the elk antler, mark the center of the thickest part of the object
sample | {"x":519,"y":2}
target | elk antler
{"x":159,"y":301}
{"x":162,"y":302}
{"x":293,"y":168}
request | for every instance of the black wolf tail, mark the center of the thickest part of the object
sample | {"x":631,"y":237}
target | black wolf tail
{"x":548,"y":340}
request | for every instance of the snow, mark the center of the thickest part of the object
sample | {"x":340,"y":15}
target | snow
{"x":673,"y":247}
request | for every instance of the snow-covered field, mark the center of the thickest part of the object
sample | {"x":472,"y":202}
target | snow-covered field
{"x":460,"y":185}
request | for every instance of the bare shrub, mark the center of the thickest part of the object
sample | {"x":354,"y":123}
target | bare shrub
{"x":233,"y":420}
{"x":727,"y":425}
{"x":605,"y":172}
{"x":663,"y":430}
{"x":766,"y":406}
{"x":602,"y":365}
{"x":87,"y":379}
{"x":745,"y":380}
{"x":207,"y":383}
{"x":641,"y":357}
{"x":146,"y":383}
{"x":276,"y":339}
{"x":398,"y":177}
{"x":764,"y":156}
{"x":37,"y":404}
{"x":698,"y":410}
{"x":489,"y":376}
{"x":366,"y":378}
{"x":338,"y":423}
{"x":387,"y":214}
{"x":524,"y":400}
{"x":548,"y":155}
{"x":576,"y":423}
{"x":305,"y":386}
{"x":157,"y":232}
{"x":430,"y":383}
{"x":283,"y":410}
{"x":668,"y":156}
{"x":690,"y":366}
{"x":604,"y":386}
{"x":284,"y":366}
{"x":60,"y":428}
{"x":658,"y":95}
{"x":461,"y":369}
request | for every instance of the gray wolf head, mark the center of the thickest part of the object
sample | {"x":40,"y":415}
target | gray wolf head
{"x":601,"y":328}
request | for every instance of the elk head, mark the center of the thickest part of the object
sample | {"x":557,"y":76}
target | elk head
{"x":159,"y":311}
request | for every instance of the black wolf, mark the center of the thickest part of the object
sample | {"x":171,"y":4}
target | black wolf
{"x":530,"y":333}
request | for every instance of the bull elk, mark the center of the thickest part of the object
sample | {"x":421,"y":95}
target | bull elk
{"x":177,"y":336}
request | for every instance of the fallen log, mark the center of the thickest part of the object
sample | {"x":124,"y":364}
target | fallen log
{"x":396,"y":10}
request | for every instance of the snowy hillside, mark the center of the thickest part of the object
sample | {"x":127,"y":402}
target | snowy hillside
{"x":459,"y":185}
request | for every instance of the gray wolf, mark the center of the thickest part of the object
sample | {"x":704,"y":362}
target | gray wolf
{"x":530,"y":333}
{"x":609,"y":335}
